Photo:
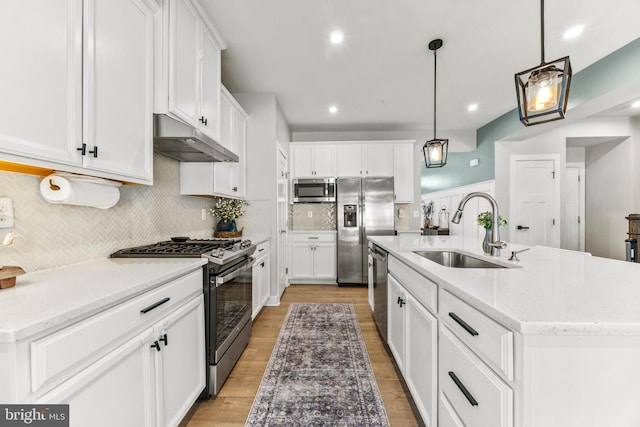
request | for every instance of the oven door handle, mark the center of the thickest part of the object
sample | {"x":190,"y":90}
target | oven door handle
{"x":235,"y":273}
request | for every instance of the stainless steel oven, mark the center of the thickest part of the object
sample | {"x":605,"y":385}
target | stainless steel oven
{"x":230,"y":320}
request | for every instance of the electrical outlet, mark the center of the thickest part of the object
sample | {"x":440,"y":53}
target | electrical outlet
{"x":416,"y":214}
{"x":6,"y":212}
{"x":204,"y":214}
{"x":309,"y":214}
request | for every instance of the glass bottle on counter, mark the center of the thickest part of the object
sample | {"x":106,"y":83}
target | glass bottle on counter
{"x":443,"y":218}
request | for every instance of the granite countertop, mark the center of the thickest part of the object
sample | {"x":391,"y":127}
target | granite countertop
{"x":52,"y":298}
{"x":549,"y":291}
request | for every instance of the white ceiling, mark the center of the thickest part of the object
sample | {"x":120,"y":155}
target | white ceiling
{"x":381,"y":77}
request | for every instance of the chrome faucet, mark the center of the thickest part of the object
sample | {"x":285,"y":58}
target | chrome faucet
{"x":496,"y":244}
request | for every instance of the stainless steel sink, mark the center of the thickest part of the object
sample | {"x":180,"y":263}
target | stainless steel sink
{"x":457,"y":259}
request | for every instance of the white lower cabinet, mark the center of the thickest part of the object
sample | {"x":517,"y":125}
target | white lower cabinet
{"x":152,"y":380}
{"x":313,"y":256}
{"x":180,"y":362}
{"x":412,"y":339}
{"x":261,"y":273}
{"x":138,"y":363}
{"x":476,"y":394}
{"x":115,"y":391}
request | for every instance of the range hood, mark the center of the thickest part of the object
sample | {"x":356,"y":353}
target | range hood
{"x":183,"y":142}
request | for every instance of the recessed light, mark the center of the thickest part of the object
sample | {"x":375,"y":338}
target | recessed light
{"x":472,"y":107}
{"x":336,"y":37}
{"x":333,"y":109}
{"x":573,"y":32}
{"x":635,"y":104}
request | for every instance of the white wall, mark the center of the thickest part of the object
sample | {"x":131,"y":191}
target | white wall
{"x":266,"y":126}
{"x":609,"y":197}
{"x":608,"y":164}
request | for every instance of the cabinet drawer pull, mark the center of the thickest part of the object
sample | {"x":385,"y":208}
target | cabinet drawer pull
{"x":156,"y":345}
{"x":464,"y":324}
{"x":152,"y":306}
{"x":165,"y":339}
{"x":313,"y":238}
{"x":463,"y":389}
{"x":261,"y":249}
{"x":83,"y":149}
{"x":94,"y":151}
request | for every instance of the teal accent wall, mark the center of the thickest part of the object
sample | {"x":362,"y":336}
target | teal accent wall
{"x":611,"y":72}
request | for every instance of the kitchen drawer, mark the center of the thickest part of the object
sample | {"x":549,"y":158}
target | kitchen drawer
{"x":423,"y":289}
{"x":492,"y":341}
{"x":262,"y":249}
{"x":59,"y":355}
{"x":313,"y":238}
{"x":476,"y":394}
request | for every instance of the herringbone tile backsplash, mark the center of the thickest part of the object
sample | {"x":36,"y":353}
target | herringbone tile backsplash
{"x":52,"y":235}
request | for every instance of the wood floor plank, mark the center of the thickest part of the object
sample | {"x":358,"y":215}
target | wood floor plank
{"x":232,"y":405}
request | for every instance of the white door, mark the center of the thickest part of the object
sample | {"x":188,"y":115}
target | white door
{"x":349,"y":160}
{"x":282,"y":214}
{"x":324,"y":261}
{"x":210,"y":84}
{"x":573,"y":193}
{"x":302,"y":261}
{"x":535,"y":218}
{"x":303,"y":162}
{"x":377,"y":160}
{"x":395,"y":320}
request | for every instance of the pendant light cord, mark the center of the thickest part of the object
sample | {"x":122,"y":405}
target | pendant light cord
{"x":435,"y":57}
{"x":542,"y":30}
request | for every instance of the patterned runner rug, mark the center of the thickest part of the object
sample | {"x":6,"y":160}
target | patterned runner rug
{"x":319,"y":373}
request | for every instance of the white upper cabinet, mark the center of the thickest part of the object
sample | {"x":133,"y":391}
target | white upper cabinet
{"x":188,"y":73}
{"x":364,"y":160}
{"x":89,"y":65}
{"x":314,"y":161}
{"x":221,"y":178}
{"x":403,"y":167}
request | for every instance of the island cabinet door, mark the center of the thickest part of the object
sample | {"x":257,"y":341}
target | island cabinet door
{"x":396,"y":301}
{"x":117,"y":390}
{"x":421,"y":359}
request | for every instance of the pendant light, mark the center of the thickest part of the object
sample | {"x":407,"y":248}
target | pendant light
{"x":435,"y":150}
{"x":543,"y":91}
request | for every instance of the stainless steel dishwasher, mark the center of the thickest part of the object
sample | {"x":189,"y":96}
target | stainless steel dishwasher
{"x":378,"y":282}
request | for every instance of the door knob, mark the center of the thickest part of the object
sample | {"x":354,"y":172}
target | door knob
{"x":522,"y":227}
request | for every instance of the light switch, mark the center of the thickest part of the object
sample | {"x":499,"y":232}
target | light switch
{"x":6,"y":212}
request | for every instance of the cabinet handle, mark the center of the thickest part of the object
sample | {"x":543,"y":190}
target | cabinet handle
{"x":261,"y":249}
{"x":156,"y":344}
{"x":262,"y":265}
{"x":156,"y":305}
{"x":464,"y":324}
{"x":203,"y":120}
{"x":463,"y":389}
{"x":313,"y":238}
{"x":94,"y":151}
{"x":83,"y":149}
{"x":402,"y":302}
{"x":164,"y":339}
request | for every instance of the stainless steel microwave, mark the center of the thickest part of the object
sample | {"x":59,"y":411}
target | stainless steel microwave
{"x":314,"y":190}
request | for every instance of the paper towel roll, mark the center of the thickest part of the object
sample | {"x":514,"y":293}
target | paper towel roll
{"x":80,"y":190}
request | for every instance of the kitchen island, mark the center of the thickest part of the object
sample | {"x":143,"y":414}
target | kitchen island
{"x":550,"y":340}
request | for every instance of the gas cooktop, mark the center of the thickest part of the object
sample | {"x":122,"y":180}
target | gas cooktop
{"x":217,"y":250}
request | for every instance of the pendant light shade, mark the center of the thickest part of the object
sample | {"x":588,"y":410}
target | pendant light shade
{"x":543,"y":91}
{"x":435,"y":150}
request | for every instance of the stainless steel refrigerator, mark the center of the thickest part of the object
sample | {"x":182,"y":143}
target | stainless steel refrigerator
{"x":364,"y":208}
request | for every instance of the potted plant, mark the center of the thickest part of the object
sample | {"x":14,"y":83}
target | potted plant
{"x":226,"y":211}
{"x":485,"y":219}
{"x":427,"y":211}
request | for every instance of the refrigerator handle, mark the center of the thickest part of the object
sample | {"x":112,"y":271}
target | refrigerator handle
{"x":361,"y":238}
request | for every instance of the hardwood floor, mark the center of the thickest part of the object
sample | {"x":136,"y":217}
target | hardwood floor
{"x":232,"y":405}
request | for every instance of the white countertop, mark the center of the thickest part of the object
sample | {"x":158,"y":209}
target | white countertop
{"x":549,"y":291}
{"x":52,"y":298}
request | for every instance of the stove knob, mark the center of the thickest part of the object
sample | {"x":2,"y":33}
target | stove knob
{"x":245,"y":243}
